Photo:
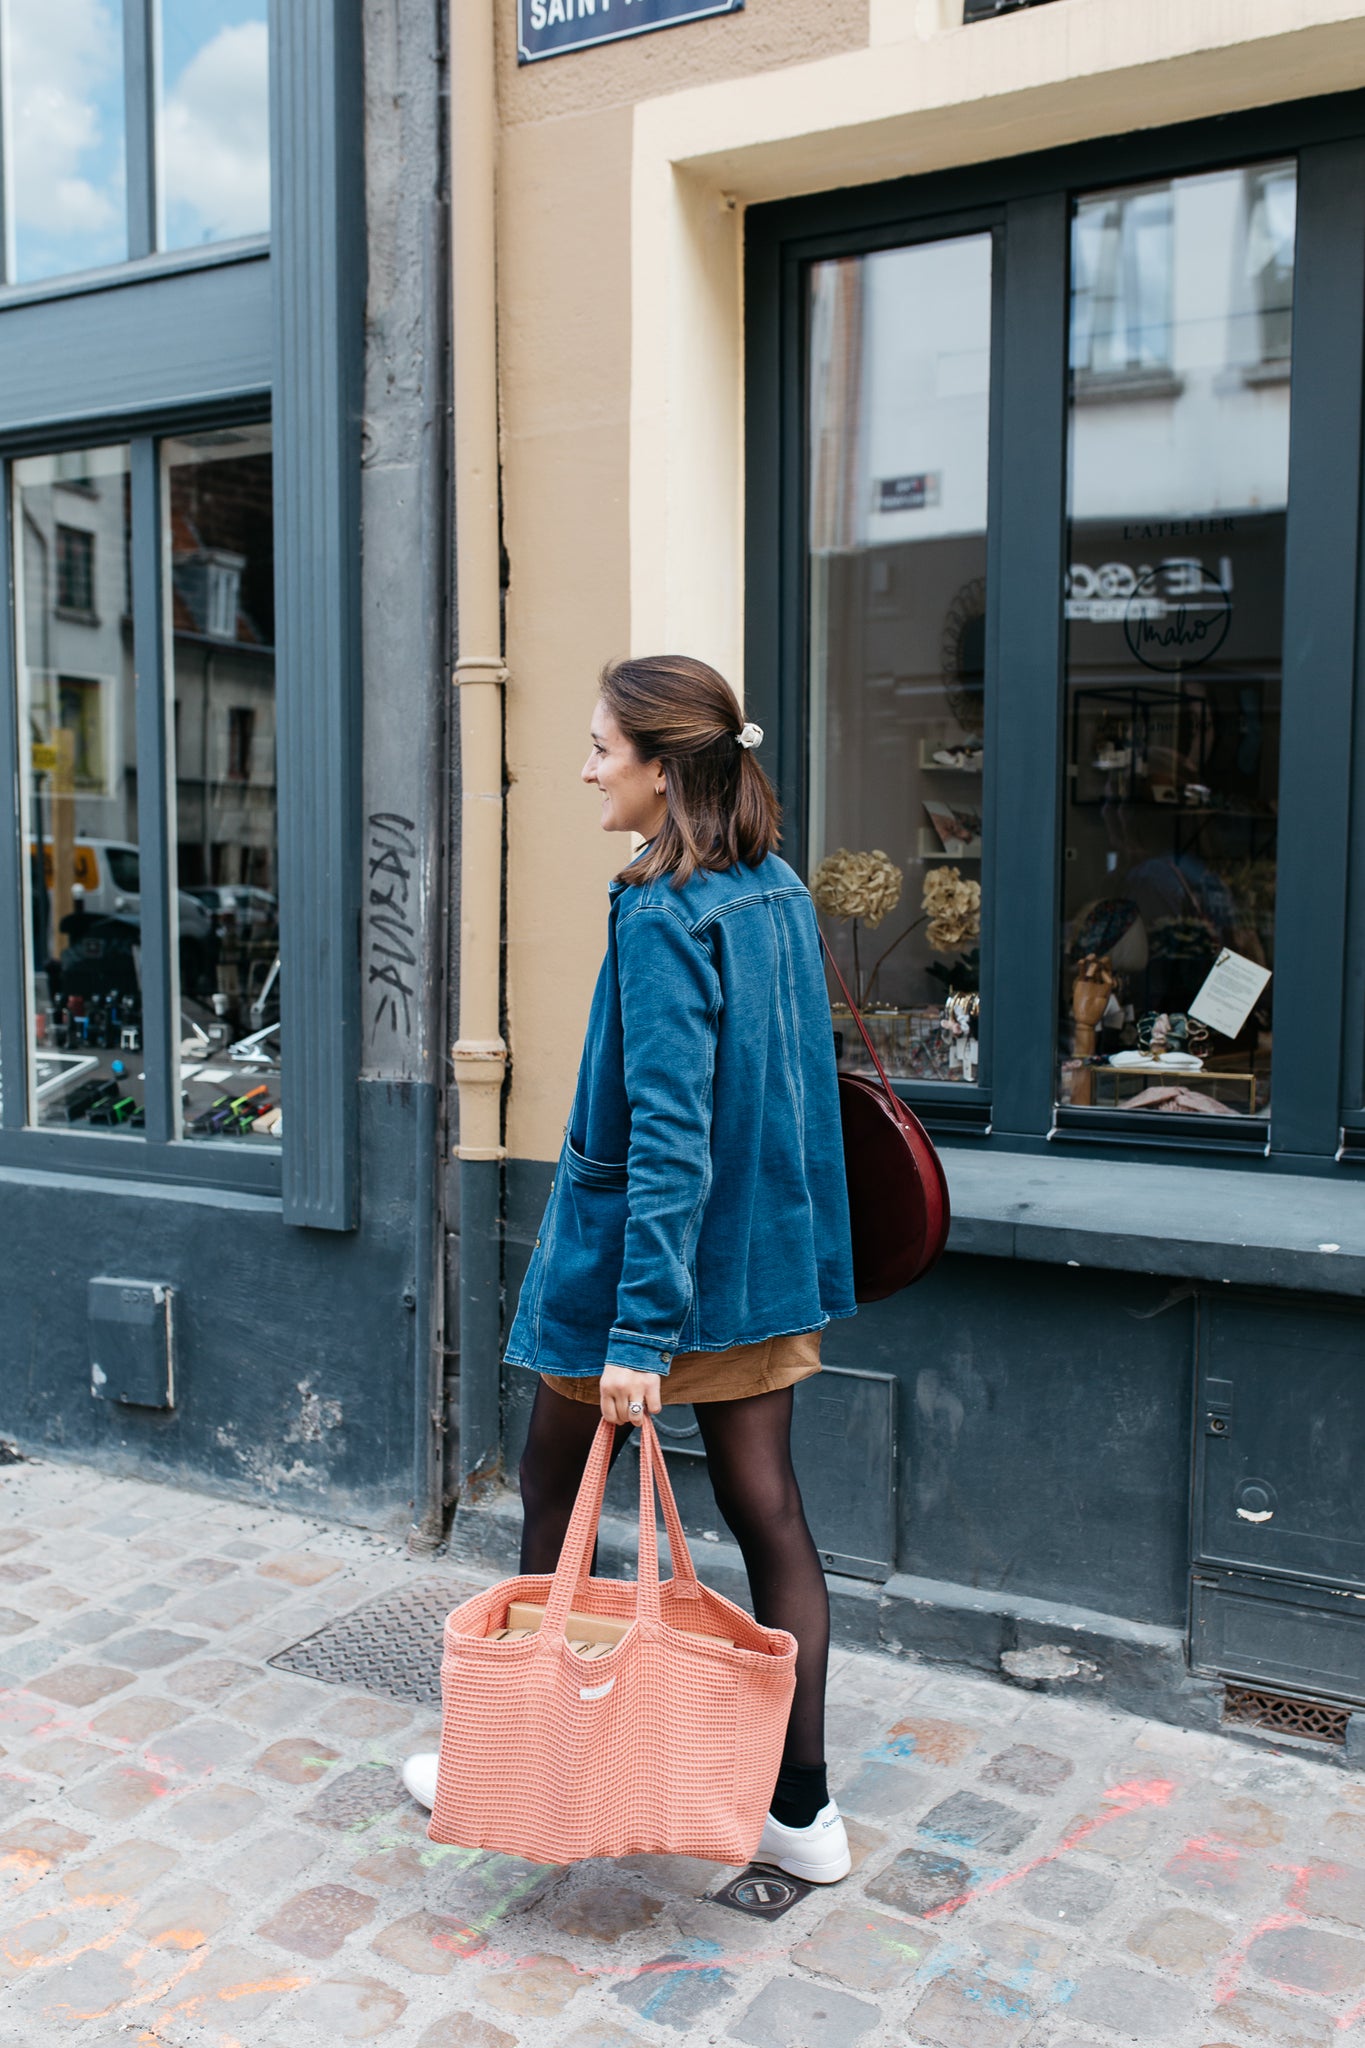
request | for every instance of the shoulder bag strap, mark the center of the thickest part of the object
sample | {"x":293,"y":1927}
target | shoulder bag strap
{"x":858,"y":1020}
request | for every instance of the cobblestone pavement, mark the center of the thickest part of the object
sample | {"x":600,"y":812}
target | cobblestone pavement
{"x":201,"y":1851}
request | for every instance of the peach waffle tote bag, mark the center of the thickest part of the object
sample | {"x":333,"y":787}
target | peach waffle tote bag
{"x":669,"y":1743}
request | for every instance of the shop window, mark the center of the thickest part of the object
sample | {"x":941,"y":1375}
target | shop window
{"x":898,"y":429}
{"x":221,"y":541}
{"x":66,"y":171}
{"x":79,"y":191}
{"x":80,"y":820}
{"x":75,"y":550}
{"x":1174,"y":621}
{"x":91,"y":932}
{"x":214,"y":121}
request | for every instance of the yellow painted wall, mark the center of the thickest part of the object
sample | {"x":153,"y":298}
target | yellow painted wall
{"x":623,"y":176}
{"x":564,"y":182}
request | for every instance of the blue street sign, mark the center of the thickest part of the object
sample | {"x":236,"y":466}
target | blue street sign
{"x":549,"y":28}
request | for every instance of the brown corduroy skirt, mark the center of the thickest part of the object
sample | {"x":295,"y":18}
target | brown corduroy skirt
{"x":733,"y":1375}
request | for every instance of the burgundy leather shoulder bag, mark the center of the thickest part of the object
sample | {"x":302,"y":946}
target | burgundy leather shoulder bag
{"x":897,"y":1189}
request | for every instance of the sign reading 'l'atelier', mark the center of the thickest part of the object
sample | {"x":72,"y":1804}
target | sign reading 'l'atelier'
{"x":550,"y":28}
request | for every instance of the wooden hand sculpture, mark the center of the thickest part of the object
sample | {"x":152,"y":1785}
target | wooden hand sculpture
{"x":1094,"y":984}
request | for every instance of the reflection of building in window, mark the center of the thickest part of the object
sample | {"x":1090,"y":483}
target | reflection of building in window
{"x":208,"y":589}
{"x":241,"y":730}
{"x":224,"y":577}
{"x":1271,"y":197}
{"x":220,"y":509}
{"x":81,"y":712}
{"x":1121,"y":287}
{"x":76,"y":571}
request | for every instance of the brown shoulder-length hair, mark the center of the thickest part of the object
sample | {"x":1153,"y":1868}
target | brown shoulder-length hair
{"x":721,"y":806}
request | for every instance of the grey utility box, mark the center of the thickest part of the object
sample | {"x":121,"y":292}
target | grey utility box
{"x":132,"y":1352}
{"x":1278,"y":1592}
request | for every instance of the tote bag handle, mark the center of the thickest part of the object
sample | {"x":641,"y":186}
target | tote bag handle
{"x":582,"y":1532}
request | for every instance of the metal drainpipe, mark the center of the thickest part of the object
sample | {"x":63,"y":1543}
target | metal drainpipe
{"x":479,"y":1056}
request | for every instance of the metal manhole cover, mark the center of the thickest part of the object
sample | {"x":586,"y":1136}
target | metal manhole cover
{"x":391,"y":1645}
{"x":767,"y":1894}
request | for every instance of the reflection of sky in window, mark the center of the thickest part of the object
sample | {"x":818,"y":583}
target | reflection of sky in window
{"x":1121,"y":282}
{"x":215,"y":142}
{"x":65,"y":61}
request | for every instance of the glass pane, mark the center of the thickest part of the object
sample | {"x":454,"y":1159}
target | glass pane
{"x":215,"y":128}
{"x":77,"y":726}
{"x":899,"y":426}
{"x":1179,"y":463}
{"x":65,"y":146}
{"x":222,"y":578}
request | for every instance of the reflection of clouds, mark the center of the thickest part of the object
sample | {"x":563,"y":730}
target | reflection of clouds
{"x":66,"y":80}
{"x":216,"y":139}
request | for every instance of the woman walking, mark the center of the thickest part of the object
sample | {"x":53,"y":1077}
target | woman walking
{"x":696,"y":1240}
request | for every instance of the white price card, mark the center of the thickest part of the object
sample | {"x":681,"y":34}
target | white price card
{"x":1231,"y":992}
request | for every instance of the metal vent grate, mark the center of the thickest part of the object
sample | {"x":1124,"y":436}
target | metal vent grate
{"x":392,"y":1645}
{"x":1280,"y":1714}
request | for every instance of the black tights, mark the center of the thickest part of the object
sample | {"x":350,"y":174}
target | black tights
{"x":748,"y":1455}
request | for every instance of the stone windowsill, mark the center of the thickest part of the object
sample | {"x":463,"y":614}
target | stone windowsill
{"x":1205,"y":1223}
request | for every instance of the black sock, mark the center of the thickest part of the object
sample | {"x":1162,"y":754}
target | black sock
{"x":801,"y":1792}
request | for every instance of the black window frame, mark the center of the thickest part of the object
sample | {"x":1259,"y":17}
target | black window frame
{"x":268,"y":328}
{"x":1317,"y":1114}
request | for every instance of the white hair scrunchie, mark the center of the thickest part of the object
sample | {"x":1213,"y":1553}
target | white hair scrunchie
{"x":750,"y":736}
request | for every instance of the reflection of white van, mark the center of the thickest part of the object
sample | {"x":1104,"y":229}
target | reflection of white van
{"x":110,"y":873}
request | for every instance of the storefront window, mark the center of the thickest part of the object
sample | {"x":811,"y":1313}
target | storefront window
{"x":221,"y":576}
{"x":1174,"y":619}
{"x":64,"y":113}
{"x":898,"y":423}
{"x":78,"y":731}
{"x":215,"y":139}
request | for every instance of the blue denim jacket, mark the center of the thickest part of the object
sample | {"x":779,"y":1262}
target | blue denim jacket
{"x":699,"y":1200}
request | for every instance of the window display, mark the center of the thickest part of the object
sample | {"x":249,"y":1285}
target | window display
{"x":77,"y":724}
{"x":221,"y":573}
{"x":1174,"y":609}
{"x":898,"y":422}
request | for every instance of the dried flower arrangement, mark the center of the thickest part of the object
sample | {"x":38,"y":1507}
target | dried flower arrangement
{"x":866,"y":887}
{"x":953,"y":907}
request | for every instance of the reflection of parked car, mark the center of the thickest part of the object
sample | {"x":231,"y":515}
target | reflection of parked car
{"x":110,"y":873}
{"x":239,"y":903}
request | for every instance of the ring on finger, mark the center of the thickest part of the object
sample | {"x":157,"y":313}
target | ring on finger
{"x":636,"y":1408}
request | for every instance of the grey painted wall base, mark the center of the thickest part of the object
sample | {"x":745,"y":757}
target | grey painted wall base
{"x":311,"y":1409}
{"x":1041,"y":1646}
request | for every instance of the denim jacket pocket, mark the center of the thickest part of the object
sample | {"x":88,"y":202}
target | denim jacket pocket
{"x":593,"y":1173}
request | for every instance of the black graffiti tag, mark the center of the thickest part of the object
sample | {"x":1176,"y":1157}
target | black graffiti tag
{"x":391,"y":860}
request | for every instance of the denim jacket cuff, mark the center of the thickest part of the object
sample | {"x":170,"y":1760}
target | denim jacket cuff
{"x":637,"y":1354}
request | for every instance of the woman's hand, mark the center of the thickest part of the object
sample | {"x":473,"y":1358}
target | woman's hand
{"x":620,"y":1387}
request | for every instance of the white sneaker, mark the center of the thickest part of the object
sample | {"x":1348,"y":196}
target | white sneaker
{"x":818,"y":1854}
{"x":419,"y":1775}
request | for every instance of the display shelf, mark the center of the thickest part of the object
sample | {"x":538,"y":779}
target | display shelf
{"x":927,"y":761}
{"x":931,"y":847}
